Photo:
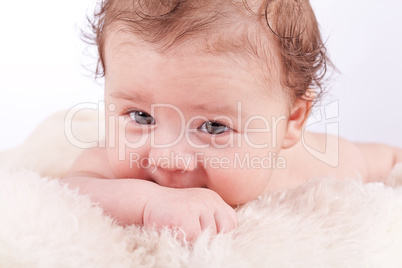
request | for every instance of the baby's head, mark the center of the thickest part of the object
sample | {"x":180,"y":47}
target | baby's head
{"x":279,"y":35}
{"x":207,"y":93}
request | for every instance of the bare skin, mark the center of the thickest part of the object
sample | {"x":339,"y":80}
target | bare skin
{"x":133,"y":201}
{"x":201,"y":95}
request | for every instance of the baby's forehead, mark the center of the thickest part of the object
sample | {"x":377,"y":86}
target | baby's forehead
{"x":193,"y":52}
{"x":245,"y":47}
{"x":217,"y":27}
{"x":275,"y":38}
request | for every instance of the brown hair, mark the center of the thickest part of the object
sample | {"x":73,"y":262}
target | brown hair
{"x":249,"y":27}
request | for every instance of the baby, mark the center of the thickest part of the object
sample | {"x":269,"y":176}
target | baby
{"x":206,"y":103}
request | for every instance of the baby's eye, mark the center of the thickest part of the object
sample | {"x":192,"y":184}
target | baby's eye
{"x":142,"y":118}
{"x":213,"y":127}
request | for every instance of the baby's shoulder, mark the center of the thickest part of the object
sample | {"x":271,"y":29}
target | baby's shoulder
{"x":93,"y":163}
{"x":352,"y":157}
{"x":320,"y":154}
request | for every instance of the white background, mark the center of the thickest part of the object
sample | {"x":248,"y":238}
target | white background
{"x":41,"y":65}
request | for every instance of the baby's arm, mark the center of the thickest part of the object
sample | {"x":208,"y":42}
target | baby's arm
{"x":380,"y":159}
{"x":134,"y":201}
{"x":360,"y":161}
{"x":116,"y":197}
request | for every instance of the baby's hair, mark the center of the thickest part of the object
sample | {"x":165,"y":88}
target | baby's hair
{"x":252,"y":28}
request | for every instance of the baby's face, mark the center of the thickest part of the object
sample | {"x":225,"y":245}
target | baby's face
{"x":191,"y":120}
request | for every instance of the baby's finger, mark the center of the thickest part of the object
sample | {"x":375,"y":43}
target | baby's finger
{"x":191,"y":228}
{"x":207,"y":221}
{"x":226,"y":221}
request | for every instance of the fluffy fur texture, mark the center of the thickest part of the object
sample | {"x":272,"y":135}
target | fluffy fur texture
{"x":321,"y":223}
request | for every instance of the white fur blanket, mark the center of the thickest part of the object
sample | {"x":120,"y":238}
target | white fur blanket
{"x":324,"y":223}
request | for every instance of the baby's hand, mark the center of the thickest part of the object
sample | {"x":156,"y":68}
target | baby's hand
{"x":191,"y":209}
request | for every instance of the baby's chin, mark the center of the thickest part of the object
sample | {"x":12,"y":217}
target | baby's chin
{"x":236,"y":202}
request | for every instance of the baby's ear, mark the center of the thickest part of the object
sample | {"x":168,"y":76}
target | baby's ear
{"x":297,"y":118}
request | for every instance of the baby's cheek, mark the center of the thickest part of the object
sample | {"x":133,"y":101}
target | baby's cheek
{"x":239,"y":186}
{"x":124,"y":165}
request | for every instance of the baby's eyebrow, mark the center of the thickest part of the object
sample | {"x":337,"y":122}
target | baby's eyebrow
{"x":224,"y":110}
{"x":135,"y":97}
{"x":210,"y":108}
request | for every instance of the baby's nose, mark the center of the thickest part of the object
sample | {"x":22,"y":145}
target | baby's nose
{"x":175,"y":158}
{"x":167,"y":136}
{"x":170,"y":150}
